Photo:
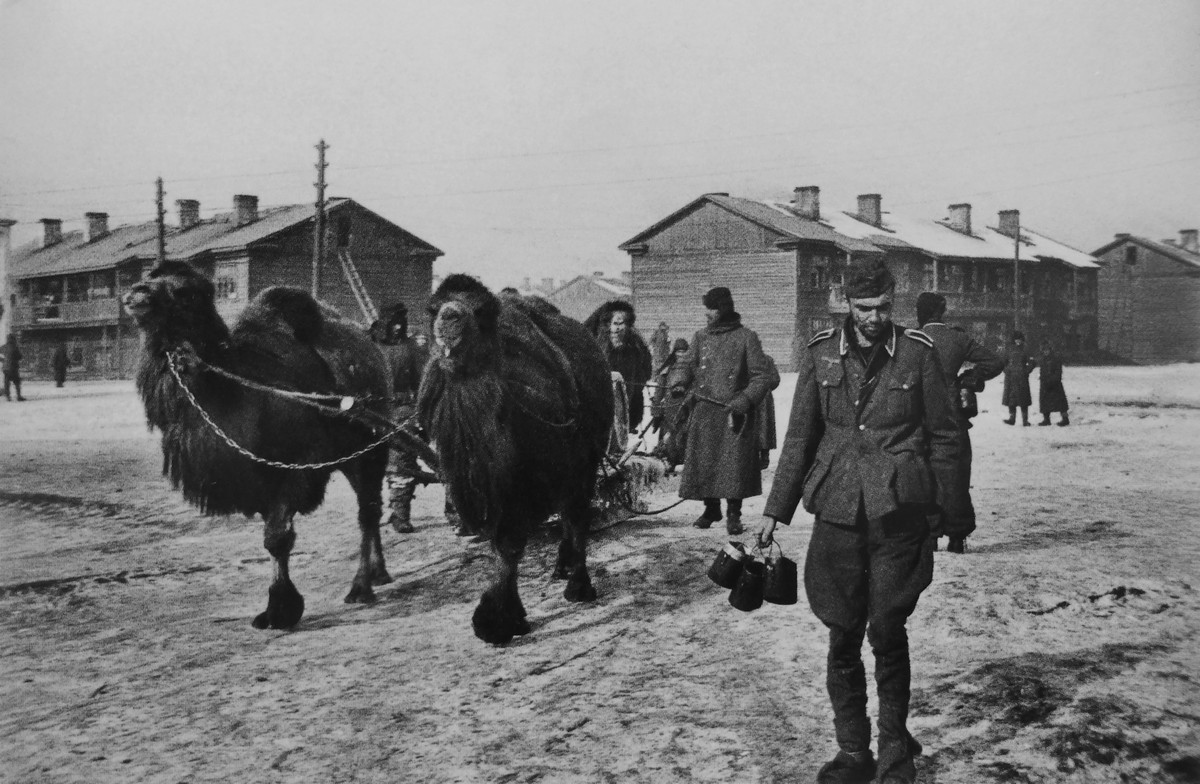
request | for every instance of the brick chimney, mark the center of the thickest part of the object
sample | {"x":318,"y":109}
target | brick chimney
{"x":189,"y":212}
{"x":870,"y":208}
{"x":245,"y":209}
{"x":547,"y":285}
{"x":960,"y":218}
{"x":1010,"y":222}
{"x":1188,"y":240}
{"x":51,"y":231}
{"x":807,"y":202}
{"x":97,"y":223}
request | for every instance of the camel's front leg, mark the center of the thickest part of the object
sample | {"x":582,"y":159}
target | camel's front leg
{"x":285,"y":605}
{"x":500,"y":615}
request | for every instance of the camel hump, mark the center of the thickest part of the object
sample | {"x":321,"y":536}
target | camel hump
{"x":294,"y":307}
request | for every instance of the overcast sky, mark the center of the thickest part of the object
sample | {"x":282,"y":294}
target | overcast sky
{"x":532,"y":138}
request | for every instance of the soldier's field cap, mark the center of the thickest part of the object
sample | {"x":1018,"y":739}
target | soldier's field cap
{"x":868,"y":278}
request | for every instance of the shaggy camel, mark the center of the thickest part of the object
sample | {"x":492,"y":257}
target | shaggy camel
{"x":517,"y":400}
{"x":282,"y":341}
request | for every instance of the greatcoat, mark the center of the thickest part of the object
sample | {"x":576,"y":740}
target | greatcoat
{"x":725,"y":366}
{"x":1016,"y":378}
{"x":1051,"y":395}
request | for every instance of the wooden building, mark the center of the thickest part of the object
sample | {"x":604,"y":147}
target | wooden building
{"x":579,"y":297}
{"x":1149,"y":308}
{"x":785,"y":264}
{"x":68,"y":286}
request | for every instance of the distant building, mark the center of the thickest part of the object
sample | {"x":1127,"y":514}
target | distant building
{"x":68,"y":286}
{"x":578,"y":298}
{"x":1149,"y":308}
{"x":785,"y":261}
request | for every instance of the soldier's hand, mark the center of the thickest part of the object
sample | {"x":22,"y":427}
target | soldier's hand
{"x":739,"y":405}
{"x":766,"y":532}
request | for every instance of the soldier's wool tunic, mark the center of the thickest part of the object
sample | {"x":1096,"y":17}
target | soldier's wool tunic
{"x":877,"y":446}
{"x":725,"y":365}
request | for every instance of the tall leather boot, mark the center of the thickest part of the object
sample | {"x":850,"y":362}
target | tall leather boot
{"x":1065,"y":420}
{"x":1025,"y":416}
{"x":400,"y":494}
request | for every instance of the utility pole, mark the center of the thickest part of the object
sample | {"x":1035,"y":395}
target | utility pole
{"x":1017,"y":277}
{"x":319,"y":223}
{"x":162,"y":225}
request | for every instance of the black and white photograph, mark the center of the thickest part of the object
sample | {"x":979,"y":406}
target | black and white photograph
{"x":659,"y":391}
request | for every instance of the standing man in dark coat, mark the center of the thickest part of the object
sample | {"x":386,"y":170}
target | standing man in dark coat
{"x":1051,"y":395}
{"x":955,"y":348}
{"x":406,"y":362}
{"x":626,"y":351}
{"x":59,"y":363}
{"x":660,"y":345}
{"x":12,"y":367}
{"x":1018,"y":366}
{"x":872,"y":451}
{"x":727,"y":377}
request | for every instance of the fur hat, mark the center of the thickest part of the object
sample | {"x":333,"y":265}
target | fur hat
{"x":929,"y":306}
{"x":868,"y":277}
{"x":679,"y":345}
{"x":719,"y":298}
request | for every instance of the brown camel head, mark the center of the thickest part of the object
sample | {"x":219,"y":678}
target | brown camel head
{"x":463,"y":319}
{"x":168,"y":292}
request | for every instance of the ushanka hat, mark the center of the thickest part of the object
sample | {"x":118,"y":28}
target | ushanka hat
{"x":868,"y":278}
{"x":719,"y":298}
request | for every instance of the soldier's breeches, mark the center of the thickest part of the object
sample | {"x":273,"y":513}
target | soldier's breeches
{"x":960,"y":521}
{"x":865,"y":580}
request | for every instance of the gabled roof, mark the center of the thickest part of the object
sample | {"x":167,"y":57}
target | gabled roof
{"x":614,"y":286}
{"x":140,"y":241}
{"x":897,"y":232}
{"x":1170,"y":251}
{"x":769,"y":215}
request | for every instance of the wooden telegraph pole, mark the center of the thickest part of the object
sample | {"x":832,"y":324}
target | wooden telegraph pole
{"x":319,"y":223}
{"x":162,"y":225}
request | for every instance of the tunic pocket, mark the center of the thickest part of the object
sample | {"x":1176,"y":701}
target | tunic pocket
{"x":813,"y":481}
{"x":901,"y":399}
{"x":830,"y":380}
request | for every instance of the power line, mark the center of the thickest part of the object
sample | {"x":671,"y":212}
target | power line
{"x":1007,"y":111}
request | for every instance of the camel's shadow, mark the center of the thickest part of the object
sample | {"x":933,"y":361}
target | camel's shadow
{"x":666,"y":576}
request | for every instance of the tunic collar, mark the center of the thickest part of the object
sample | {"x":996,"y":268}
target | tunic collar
{"x":844,"y":344}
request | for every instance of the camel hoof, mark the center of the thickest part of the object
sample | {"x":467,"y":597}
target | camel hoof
{"x":285,"y":607}
{"x":360,"y":594}
{"x":380,"y":577}
{"x":494,"y":625}
{"x":579,"y":588}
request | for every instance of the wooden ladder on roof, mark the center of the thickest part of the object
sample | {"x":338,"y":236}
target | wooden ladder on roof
{"x":365,"y":303}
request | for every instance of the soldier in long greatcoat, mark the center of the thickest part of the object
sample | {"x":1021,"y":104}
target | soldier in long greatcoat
{"x":727,"y":377}
{"x":1051,"y":395}
{"x":1016,"y":380}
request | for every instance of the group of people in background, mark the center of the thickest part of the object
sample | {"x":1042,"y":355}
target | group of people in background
{"x":1052,"y":398}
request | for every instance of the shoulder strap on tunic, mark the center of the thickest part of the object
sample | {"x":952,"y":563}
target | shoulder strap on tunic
{"x":919,"y":336}
{"x":824,"y":334}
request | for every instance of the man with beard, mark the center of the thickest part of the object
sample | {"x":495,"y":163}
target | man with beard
{"x":626,"y":351}
{"x":956,"y":348}
{"x":871,"y":450}
{"x":727,"y":377}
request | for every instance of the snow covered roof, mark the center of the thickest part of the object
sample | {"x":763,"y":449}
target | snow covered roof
{"x":846,"y":231}
{"x":1182,"y":255}
{"x":140,"y":241}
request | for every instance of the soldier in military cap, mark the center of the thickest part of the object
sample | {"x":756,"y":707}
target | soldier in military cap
{"x":871,"y":450}
{"x":406,"y":362}
{"x":955,"y":348}
{"x":727,"y":376}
